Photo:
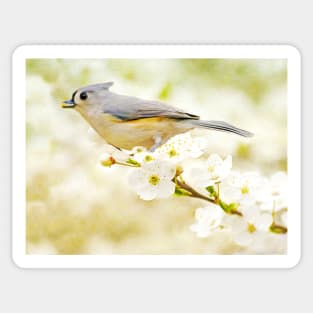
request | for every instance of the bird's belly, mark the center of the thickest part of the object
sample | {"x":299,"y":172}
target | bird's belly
{"x":141,"y":132}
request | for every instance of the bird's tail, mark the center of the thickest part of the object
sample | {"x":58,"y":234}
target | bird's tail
{"x":221,"y":126}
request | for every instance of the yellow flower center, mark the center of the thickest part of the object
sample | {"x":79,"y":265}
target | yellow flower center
{"x":148,"y":158}
{"x":251,"y":228}
{"x":154,"y":179}
{"x":172,"y":153}
{"x":244,"y":190}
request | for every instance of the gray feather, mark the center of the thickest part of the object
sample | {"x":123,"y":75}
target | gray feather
{"x":221,"y":126}
{"x":97,"y":87}
{"x":131,"y":108}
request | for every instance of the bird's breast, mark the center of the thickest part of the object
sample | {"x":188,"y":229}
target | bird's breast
{"x":128,"y":134}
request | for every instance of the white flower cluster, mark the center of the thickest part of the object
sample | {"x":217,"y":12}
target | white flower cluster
{"x":154,"y":178}
{"x":247,"y":205}
{"x":261,"y":203}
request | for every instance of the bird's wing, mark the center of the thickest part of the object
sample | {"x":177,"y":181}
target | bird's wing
{"x":131,"y":108}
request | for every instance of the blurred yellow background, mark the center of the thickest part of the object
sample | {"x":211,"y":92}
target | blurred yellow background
{"x":74,"y":206}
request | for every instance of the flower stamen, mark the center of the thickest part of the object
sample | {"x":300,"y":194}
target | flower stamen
{"x":154,"y":179}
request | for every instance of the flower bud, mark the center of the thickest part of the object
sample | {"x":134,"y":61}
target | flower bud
{"x":179,"y":170}
{"x":107,"y":160}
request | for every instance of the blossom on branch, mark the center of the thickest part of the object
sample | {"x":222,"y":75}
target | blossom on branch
{"x":273,"y":194}
{"x":208,"y":220}
{"x":249,"y":206}
{"x":247,"y":228}
{"x":215,"y":171}
{"x":153,"y":179}
{"x":181,"y":147}
{"x":244,"y":188}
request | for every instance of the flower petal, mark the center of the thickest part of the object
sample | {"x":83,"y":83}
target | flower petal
{"x":147,"y":192}
{"x":243,"y":239}
{"x":165,"y":189}
{"x":263,"y":221}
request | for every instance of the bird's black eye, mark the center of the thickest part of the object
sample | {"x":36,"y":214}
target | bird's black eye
{"x":83,"y":96}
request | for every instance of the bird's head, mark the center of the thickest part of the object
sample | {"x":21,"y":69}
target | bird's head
{"x":87,"y":96}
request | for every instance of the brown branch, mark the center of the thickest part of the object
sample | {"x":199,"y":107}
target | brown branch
{"x":275,"y":228}
{"x":236,"y":212}
{"x":193,"y":193}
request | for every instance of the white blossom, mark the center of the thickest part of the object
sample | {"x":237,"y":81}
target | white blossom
{"x":273,"y":196}
{"x":243,"y":188}
{"x":248,"y":227}
{"x":138,"y":150}
{"x":208,"y":219}
{"x":141,"y":154}
{"x":215,"y":171}
{"x":153,"y":179}
{"x":180,"y":147}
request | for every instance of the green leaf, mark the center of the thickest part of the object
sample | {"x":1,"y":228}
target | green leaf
{"x":231,"y":208}
{"x":224,"y":206}
{"x":181,"y":192}
{"x":133,"y":162}
{"x":211,"y":191}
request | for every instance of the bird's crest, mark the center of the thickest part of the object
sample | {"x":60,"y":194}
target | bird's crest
{"x":106,"y":85}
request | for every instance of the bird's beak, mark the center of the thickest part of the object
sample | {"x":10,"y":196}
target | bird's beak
{"x":68,"y":104}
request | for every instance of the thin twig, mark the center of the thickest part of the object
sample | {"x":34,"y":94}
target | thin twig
{"x":126,"y":164}
{"x":236,"y":213}
{"x":193,"y":193}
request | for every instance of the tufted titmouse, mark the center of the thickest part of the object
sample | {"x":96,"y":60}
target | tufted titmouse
{"x":126,"y":122}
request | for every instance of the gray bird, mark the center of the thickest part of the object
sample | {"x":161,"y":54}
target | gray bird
{"x":126,"y":122}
